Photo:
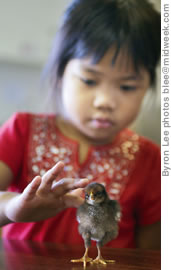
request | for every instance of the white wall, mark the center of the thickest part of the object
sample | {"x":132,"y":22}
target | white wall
{"x":19,"y":89}
{"x":27,"y":28}
{"x":148,"y":122}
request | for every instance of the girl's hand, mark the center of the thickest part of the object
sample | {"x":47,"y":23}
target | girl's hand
{"x":44,"y":198}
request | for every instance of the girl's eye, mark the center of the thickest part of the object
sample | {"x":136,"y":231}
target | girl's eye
{"x":128,"y":88}
{"x":89,"y":82}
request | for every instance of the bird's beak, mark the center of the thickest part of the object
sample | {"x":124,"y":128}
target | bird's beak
{"x":92,"y":196}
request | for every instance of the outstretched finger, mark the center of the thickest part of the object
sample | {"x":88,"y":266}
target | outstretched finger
{"x":65,"y":185}
{"x":72,"y":201}
{"x":30,"y":191}
{"x":77,"y":192}
{"x":49,"y":177}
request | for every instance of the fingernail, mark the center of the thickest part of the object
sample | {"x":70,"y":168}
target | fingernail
{"x":83,"y":179}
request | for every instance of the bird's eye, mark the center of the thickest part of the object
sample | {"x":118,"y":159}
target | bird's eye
{"x":98,"y":193}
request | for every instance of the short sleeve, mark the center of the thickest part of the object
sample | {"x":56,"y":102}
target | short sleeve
{"x":149,"y":203}
{"x":12,"y":141}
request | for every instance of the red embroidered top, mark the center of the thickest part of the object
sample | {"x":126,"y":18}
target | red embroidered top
{"x":129,"y":167}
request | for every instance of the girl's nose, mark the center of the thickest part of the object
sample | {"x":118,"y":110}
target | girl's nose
{"x":104,"y":102}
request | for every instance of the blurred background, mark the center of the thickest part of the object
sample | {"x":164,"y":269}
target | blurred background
{"x":27,"y":30}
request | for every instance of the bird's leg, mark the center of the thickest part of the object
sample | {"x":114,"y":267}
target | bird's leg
{"x":84,"y":259}
{"x":99,"y":259}
{"x":107,"y":237}
{"x":87,"y":242}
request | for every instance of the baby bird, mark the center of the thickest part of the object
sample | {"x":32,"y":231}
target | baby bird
{"x":98,"y":220}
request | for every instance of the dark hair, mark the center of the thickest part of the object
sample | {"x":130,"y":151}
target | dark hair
{"x":91,"y":27}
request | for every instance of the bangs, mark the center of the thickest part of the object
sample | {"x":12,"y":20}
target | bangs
{"x":116,"y":28}
{"x":97,"y":50}
{"x":90,"y":28}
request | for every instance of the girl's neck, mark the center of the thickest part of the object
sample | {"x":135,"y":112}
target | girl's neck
{"x":68,"y":130}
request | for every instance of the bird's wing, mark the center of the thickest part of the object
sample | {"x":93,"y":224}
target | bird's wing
{"x":82,"y":213}
{"x":115,"y":209}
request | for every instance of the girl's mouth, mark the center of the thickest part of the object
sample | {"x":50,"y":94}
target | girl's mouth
{"x":101,"y":123}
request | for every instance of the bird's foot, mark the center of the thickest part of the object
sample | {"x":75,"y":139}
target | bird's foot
{"x":84,"y":259}
{"x":100,"y":260}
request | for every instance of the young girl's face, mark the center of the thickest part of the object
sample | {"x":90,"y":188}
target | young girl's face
{"x":101,"y":99}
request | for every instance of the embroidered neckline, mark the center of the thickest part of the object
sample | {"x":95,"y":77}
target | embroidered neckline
{"x":110,"y":164}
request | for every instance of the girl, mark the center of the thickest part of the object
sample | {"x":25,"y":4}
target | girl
{"x":103,"y":63}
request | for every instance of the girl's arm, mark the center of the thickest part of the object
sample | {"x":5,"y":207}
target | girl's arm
{"x":5,"y":179}
{"x":42,"y":198}
{"x":149,"y":236}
